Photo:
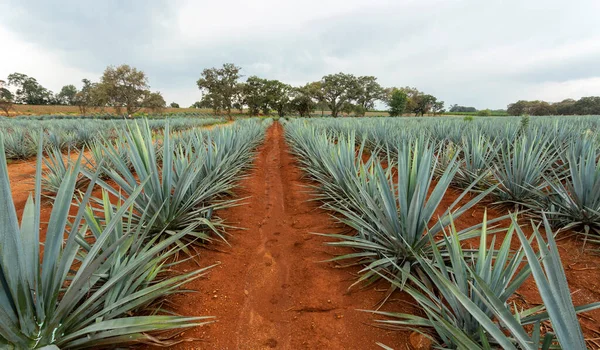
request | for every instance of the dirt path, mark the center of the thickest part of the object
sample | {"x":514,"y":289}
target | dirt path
{"x":270,"y":290}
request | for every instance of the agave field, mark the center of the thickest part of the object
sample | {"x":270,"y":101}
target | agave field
{"x":144,"y":192}
{"x":387,"y":180}
{"x":93,"y":257}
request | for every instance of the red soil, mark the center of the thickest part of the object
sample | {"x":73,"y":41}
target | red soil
{"x":271,"y":290}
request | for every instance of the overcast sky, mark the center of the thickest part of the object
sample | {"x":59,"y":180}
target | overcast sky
{"x":476,"y":53}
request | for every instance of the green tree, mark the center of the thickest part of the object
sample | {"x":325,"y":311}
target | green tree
{"x":29,"y":91}
{"x":254,"y":94}
{"x":397,"y":102}
{"x":6,"y":98}
{"x":367,"y":92}
{"x":174,"y":105}
{"x":303,"y":100}
{"x":124,"y":86}
{"x":278,"y":96}
{"x":338,"y":90}
{"x":437,"y":107}
{"x":86,"y":98}
{"x":219,"y":86}
{"x":155,"y":102}
{"x":66,"y":95}
{"x":484,"y":113}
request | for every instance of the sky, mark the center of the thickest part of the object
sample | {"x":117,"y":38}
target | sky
{"x":485,"y":54}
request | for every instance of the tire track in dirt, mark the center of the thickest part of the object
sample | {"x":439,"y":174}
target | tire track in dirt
{"x":271,"y":290}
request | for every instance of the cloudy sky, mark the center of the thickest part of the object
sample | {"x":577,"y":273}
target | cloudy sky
{"x":470,"y":52}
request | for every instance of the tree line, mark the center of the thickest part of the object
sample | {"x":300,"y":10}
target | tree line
{"x":124,"y":88}
{"x":584,"y":106}
{"x":222,"y":91}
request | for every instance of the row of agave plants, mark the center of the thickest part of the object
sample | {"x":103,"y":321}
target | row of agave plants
{"x":545,"y":164}
{"x":400,"y":235}
{"x":21,"y":135}
{"x":106,"y":264}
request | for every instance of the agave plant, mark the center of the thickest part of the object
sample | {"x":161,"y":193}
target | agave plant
{"x":453,"y":326}
{"x":468,"y":307}
{"x":18,"y":144}
{"x":57,"y":165}
{"x":520,"y":169}
{"x":181,"y":191}
{"x":81,"y":293}
{"x":477,"y":155}
{"x":390,"y":218}
{"x":574,"y":200}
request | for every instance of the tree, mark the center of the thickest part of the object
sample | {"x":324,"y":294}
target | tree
{"x":437,"y":107}
{"x":277,"y":96}
{"x":124,"y":86}
{"x":368,"y":91}
{"x":462,"y":109}
{"x":67,"y":94}
{"x":423,"y":103}
{"x":484,"y":113}
{"x":29,"y":91}
{"x":155,"y":102}
{"x":397,"y":102}
{"x":196,"y":104}
{"x":6,"y":98}
{"x":254,"y":94}
{"x":303,"y":100}
{"x":87,"y":97}
{"x":315,"y":90}
{"x":174,"y":105}
{"x":219,"y":86}
{"x":338,"y":89}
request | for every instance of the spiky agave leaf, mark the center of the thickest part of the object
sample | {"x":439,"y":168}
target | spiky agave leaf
{"x":446,"y":317}
{"x":486,"y":305}
{"x":574,"y":199}
{"x":45,"y":303}
{"x":180,"y":191}
{"x":57,"y":164}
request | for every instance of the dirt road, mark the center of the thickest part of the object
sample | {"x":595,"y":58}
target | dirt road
{"x":271,"y":290}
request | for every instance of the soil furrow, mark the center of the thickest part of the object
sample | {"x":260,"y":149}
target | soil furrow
{"x":271,"y":289}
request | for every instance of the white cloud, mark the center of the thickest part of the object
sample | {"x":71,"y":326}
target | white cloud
{"x":47,"y":67}
{"x":470,"y":52}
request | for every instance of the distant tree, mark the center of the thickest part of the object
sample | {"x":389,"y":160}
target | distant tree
{"x":517,"y":108}
{"x":254,"y":94}
{"x":303,"y":100}
{"x":367,"y":92}
{"x":239,"y":98}
{"x":437,"y":107}
{"x":219,"y":86}
{"x":484,"y":113}
{"x":338,"y":89}
{"x":66,"y":96}
{"x":315,"y":90}
{"x":397,"y":102}
{"x":196,"y":104}
{"x":278,"y":96}
{"x":124,"y":86}
{"x":565,"y":107}
{"x":29,"y":91}
{"x":423,"y":103}
{"x":589,"y":105}
{"x":87,"y":97}
{"x":462,"y":109}
{"x":6,"y":98}
{"x":155,"y":102}
{"x":174,"y":105}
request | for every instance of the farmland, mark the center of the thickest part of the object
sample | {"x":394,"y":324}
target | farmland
{"x":338,"y":233}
